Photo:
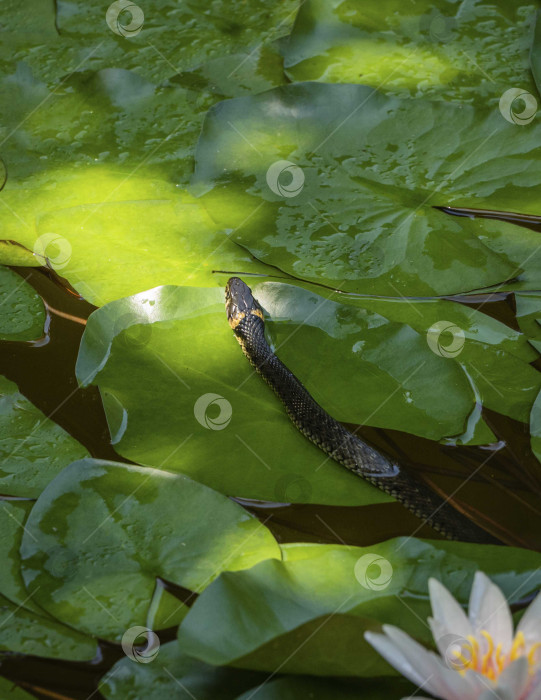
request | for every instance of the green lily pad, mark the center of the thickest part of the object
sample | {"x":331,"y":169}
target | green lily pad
{"x":337,"y":184}
{"x":26,"y":632}
{"x":535,"y":54}
{"x":174,"y":344}
{"x":452,"y":49}
{"x":33,"y":448}
{"x":58,"y":40}
{"x":102,"y":532}
{"x":10,"y":691}
{"x":528,"y":313}
{"x":386,"y":362}
{"x":13,"y":515}
{"x":22,"y":314}
{"x":307,"y":614}
{"x":175,"y":674}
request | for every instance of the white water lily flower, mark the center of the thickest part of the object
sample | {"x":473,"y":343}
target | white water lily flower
{"x":479,"y":659}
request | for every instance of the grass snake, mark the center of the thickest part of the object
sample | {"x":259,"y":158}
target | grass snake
{"x":246,"y":318}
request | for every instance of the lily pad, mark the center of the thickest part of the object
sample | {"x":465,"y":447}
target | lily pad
{"x":33,"y":448}
{"x":102,"y":532}
{"x":337,"y":184}
{"x":13,"y":515}
{"x":528,"y":312}
{"x":307,"y":614}
{"x":58,"y":40}
{"x":452,"y":49}
{"x":10,"y":691}
{"x":78,"y":241}
{"x":175,"y":674}
{"x":22,"y":314}
{"x":535,"y":53}
{"x":181,"y":376}
{"x":26,"y":632}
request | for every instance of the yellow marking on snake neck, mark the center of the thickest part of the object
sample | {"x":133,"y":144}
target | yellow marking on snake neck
{"x":234,"y":322}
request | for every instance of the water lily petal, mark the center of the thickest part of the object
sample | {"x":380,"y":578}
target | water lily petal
{"x":448,"y":643}
{"x":489,"y":611}
{"x":514,"y":679}
{"x":535,"y":690}
{"x":438,"y":679}
{"x":447,"y":611}
{"x":493,"y":695}
{"x":530,"y":624}
{"x":392,"y":654}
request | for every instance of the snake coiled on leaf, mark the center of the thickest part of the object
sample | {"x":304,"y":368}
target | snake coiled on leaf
{"x":247,"y":320}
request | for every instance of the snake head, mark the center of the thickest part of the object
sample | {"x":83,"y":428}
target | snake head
{"x":240,"y":302}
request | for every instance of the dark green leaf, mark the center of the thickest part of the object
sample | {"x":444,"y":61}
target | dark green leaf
{"x":101,"y":533}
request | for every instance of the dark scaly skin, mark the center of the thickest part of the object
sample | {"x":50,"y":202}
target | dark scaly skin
{"x":245,"y":317}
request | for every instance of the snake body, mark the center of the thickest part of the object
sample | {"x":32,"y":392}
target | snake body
{"x":246,"y":318}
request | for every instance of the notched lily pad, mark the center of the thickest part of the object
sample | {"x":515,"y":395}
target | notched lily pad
{"x":102,"y":532}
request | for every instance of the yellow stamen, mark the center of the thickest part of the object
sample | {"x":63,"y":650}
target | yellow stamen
{"x":518,"y":648}
{"x":500,"y":660}
{"x":531,"y":656}
{"x":487,"y":657}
